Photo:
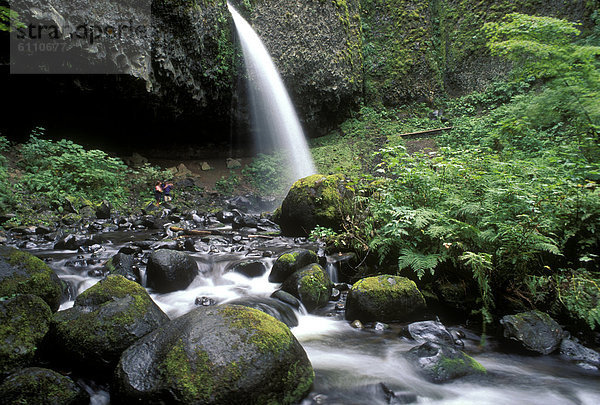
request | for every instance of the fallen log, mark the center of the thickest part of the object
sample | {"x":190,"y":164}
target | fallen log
{"x":197,"y":232}
{"x":427,"y":131}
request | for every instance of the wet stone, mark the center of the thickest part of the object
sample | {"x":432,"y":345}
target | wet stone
{"x":131,"y":250}
{"x":205,"y":301}
{"x":380,"y":326}
{"x":357,"y":324}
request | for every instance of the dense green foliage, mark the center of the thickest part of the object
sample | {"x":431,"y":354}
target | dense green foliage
{"x":58,"y":169}
{"x":50,"y":175}
{"x":509,"y":195}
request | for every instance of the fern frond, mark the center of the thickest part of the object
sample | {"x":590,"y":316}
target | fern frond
{"x":418,"y":262}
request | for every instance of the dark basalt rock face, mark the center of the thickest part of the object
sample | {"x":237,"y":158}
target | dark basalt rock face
{"x":317,"y":47}
{"x":182,"y":74}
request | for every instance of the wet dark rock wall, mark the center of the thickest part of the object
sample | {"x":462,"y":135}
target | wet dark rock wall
{"x":332,"y":54}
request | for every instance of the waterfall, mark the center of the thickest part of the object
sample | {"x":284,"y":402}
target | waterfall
{"x":274,"y":118}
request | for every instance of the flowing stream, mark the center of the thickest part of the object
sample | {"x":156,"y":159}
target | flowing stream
{"x":349,"y":363}
{"x":276,"y":123}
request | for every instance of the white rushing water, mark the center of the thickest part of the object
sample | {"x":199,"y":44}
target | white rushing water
{"x":275,"y":120}
{"x":350,"y":363}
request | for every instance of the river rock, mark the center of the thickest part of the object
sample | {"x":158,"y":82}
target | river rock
{"x":289,"y":262}
{"x":105,"y":320}
{"x":430,"y":331}
{"x":384,"y":298}
{"x":579,"y":353}
{"x":41,"y":386}
{"x":123,"y":265}
{"x":314,"y":200}
{"x":233,"y":163}
{"x":440,"y":363}
{"x":23,"y":273}
{"x":24,"y":321}
{"x":311,"y":285}
{"x":103,"y":210}
{"x":277,"y":309}
{"x":533,"y":330}
{"x":250,"y":268}
{"x":215,"y":355}
{"x":170,"y":270}
{"x":287,"y":298}
{"x":70,"y":242}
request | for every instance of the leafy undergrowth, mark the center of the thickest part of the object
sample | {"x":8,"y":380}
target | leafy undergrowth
{"x":510,"y":195}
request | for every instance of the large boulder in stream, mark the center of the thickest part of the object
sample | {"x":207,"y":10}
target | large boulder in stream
{"x":170,"y":270}
{"x":430,"y":331}
{"x":41,"y":386}
{"x":289,"y":262}
{"x":249,"y":268}
{"x":105,"y":320}
{"x":384,"y":298}
{"x":24,"y":321}
{"x":440,"y":363}
{"x":534,"y":330}
{"x":226,"y":354}
{"x":314,"y":200}
{"x":123,"y":265}
{"x":23,"y":273}
{"x":277,"y":309}
{"x":311,"y":285}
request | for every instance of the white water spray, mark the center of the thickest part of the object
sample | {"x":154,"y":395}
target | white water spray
{"x":272,"y":111}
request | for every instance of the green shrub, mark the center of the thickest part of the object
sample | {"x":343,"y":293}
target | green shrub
{"x":227,"y":185}
{"x":269,"y":174}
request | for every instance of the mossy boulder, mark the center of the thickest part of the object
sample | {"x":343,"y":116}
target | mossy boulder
{"x":23,"y":273}
{"x":24,"y":321}
{"x":41,"y":386}
{"x":314,"y":200}
{"x":440,"y":363}
{"x":311,"y":285}
{"x":215,"y":355}
{"x":535,"y":331}
{"x":105,"y":320}
{"x":384,"y":298}
{"x":170,"y":270}
{"x":277,"y":309}
{"x":289,"y":262}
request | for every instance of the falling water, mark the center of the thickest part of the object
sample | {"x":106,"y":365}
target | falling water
{"x":275,"y":119}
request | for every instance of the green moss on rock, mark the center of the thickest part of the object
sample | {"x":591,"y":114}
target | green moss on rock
{"x":311,"y":285}
{"x":41,"y":386}
{"x":290,"y":262}
{"x":192,"y":380}
{"x":216,"y":355}
{"x":265,"y":332}
{"x":315,"y":200}
{"x":23,"y":273}
{"x":105,"y":320}
{"x":384,"y":298}
{"x":24,"y":321}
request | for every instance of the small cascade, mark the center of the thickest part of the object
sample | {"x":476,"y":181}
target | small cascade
{"x":332,"y":271}
{"x":275,"y":121}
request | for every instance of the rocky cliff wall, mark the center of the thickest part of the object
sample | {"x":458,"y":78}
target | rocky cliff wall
{"x":184,"y":79}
